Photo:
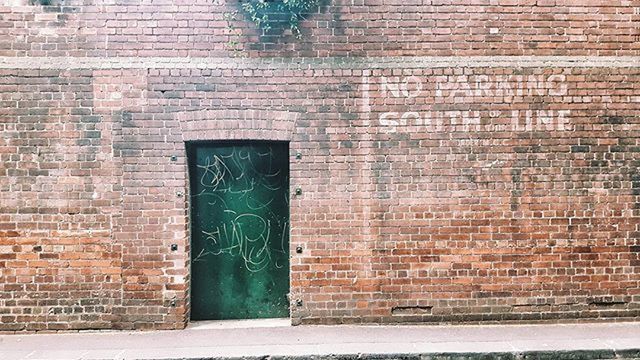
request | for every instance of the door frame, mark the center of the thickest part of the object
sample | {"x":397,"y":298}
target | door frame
{"x":188,"y":146}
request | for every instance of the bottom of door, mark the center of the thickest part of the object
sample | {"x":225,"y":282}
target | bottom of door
{"x":239,"y":324}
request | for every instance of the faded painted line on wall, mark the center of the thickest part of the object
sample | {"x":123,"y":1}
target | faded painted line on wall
{"x":37,"y":63}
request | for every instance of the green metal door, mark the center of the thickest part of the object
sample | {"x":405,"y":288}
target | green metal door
{"x":240,"y":230}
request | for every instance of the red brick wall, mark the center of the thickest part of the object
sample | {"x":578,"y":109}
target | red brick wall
{"x":437,"y":187}
{"x":61,"y":189}
{"x":339,"y":28}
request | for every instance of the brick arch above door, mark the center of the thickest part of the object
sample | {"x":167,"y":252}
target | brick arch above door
{"x":237,"y":124}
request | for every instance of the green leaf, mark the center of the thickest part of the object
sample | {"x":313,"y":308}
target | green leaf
{"x":293,"y":11}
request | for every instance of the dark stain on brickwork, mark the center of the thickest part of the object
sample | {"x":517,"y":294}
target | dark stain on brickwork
{"x":346,"y":144}
{"x":635,"y":181}
{"x":411,"y":310}
{"x":126,"y":118}
{"x":614,"y":120}
{"x":205,"y":87}
{"x":607,"y":301}
{"x":580,"y":149}
{"x":516,"y":192}
{"x":345,"y":87}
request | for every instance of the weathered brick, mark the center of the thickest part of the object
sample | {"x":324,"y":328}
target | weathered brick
{"x":458,"y":189}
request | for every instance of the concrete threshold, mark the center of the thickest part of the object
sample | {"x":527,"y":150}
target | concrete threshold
{"x":275,"y":339}
{"x":238,"y":324}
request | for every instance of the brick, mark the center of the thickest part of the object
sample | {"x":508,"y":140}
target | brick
{"x":485,"y":178}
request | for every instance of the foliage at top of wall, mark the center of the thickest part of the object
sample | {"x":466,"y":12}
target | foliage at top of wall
{"x":270,"y":14}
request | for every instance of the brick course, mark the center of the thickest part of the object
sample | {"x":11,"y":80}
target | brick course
{"x":338,"y":28}
{"x":437,"y":187}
